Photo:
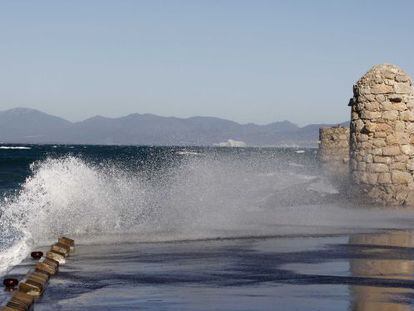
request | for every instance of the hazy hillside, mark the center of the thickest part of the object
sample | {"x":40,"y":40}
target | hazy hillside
{"x":22,"y":125}
{"x":28,"y":125}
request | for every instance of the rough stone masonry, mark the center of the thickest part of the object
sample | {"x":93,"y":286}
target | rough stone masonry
{"x":334,"y":153}
{"x":382,"y":136}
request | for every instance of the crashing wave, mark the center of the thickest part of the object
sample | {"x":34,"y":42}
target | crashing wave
{"x":197,"y":198}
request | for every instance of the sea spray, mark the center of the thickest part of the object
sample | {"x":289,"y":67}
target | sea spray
{"x":197,"y":197}
{"x":69,"y":195}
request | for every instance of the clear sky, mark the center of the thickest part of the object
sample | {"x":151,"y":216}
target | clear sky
{"x":249,"y":61}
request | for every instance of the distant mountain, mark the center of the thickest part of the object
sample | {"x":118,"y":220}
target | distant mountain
{"x":22,"y":125}
{"x":29,"y":125}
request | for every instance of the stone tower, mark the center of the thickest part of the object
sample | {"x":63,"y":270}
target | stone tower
{"x":382,"y":136}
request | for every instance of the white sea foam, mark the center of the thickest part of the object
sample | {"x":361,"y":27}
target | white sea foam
{"x":185,"y":152}
{"x":71,"y":196}
{"x":15,"y":147}
{"x":202,"y":197}
{"x":13,"y":253}
{"x":322,"y":186}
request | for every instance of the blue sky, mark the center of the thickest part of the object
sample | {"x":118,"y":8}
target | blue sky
{"x":249,"y":61}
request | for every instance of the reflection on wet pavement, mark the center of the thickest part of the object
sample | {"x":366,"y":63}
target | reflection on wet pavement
{"x":352,"y":272}
{"x":382,"y":256}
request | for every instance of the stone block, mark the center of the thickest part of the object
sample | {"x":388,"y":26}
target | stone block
{"x":381,"y":159}
{"x":368,"y":158}
{"x":390,"y":115}
{"x":380,"y":98}
{"x":399,"y":177}
{"x":379,"y":142}
{"x":410,"y":198}
{"x":407,"y":149}
{"x":391,"y":139}
{"x":61,"y":248}
{"x":376,"y":151}
{"x":402,"y":88}
{"x":383,"y":127}
{"x":399,"y":126}
{"x":381,"y":89}
{"x":410,"y":127}
{"x":370,"y":115}
{"x":377,"y":168}
{"x":402,"y":158}
{"x":402,"y":78}
{"x":399,"y":166}
{"x":378,"y":79}
{"x":372,"y":179}
{"x":402,"y":138}
{"x":391,"y":150}
{"x":358,"y":125}
{"x":407,"y":115}
{"x":410,"y":165}
{"x":400,"y":106}
{"x":372,"y":106}
{"x":364,"y":90}
{"x":33,"y":290}
{"x":354,"y":115}
{"x":387,"y":106}
{"x":389,"y":74}
{"x":401,"y":195}
{"x":384,"y":178}
{"x":410,"y":104}
{"x":59,"y":257}
{"x":362,"y":166}
{"x":380,"y":134}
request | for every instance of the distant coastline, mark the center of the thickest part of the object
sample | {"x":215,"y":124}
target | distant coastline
{"x":30,"y":126}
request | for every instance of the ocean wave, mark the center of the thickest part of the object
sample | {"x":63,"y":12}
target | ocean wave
{"x":15,"y":148}
{"x":13,"y":251}
{"x":197,"y":198}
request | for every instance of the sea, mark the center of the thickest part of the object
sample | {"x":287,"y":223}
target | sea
{"x":200,"y":228}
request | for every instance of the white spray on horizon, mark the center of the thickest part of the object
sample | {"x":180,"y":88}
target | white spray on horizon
{"x":202,"y":197}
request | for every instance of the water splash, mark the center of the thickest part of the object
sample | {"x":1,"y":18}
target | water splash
{"x":197,"y":198}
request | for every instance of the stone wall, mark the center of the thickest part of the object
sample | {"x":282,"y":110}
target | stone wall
{"x":334,"y":152}
{"x":382,"y":136}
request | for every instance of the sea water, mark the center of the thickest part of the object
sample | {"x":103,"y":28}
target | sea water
{"x":224,"y":220}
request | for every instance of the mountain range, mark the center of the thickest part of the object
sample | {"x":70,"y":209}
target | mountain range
{"x":29,"y":126}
